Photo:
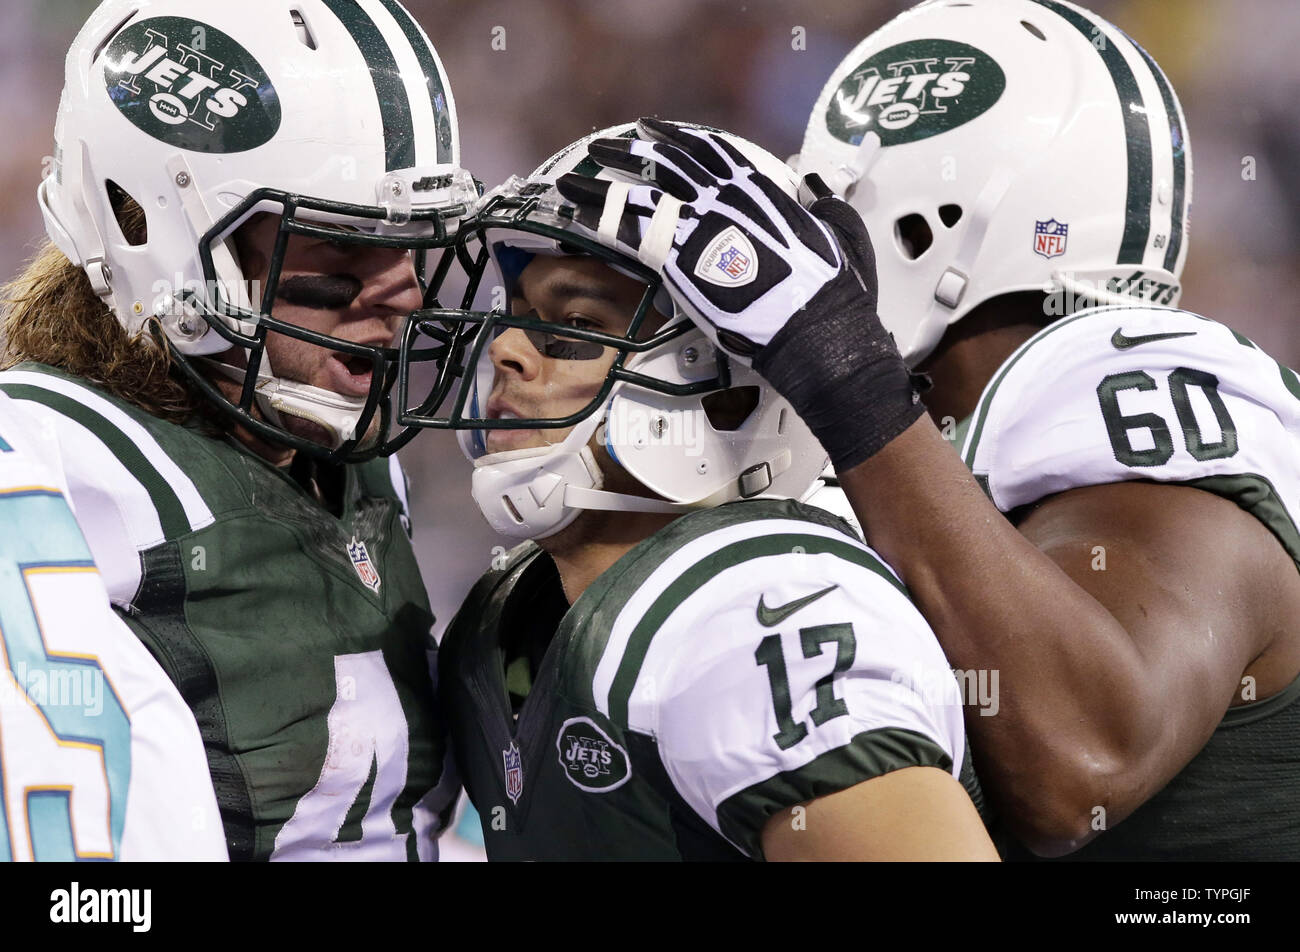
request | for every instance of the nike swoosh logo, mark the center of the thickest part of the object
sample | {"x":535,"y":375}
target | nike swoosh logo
{"x":767,"y":617}
{"x":1120,"y":342}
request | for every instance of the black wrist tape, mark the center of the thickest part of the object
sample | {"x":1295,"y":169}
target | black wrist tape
{"x":842,"y":374}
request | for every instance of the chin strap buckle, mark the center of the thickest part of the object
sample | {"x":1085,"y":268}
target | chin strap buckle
{"x":755,"y":480}
{"x":101,"y":277}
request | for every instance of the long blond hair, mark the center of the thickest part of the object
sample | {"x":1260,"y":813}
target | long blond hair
{"x":49,"y":313}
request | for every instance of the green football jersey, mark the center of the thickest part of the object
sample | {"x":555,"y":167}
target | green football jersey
{"x":299,"y":639}
{"x":741,"y":661}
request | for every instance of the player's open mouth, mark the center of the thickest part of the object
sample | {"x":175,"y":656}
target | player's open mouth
{"x":351,"y":374}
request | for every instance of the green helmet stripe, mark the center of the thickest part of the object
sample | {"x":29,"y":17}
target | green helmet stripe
{"x":394,"y":107}
{"x":432,"y":77}
{"x":1178,"y":139}
{"x":1137,"y":221}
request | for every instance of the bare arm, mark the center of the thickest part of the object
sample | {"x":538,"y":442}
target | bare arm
{"x":1110,"y":680}
{"x":917,"y":813}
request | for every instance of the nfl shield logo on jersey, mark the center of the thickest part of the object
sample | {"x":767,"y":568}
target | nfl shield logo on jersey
{"x":361,"y":562}
{"x":514,"y":773}
{"x":1049,"y":238}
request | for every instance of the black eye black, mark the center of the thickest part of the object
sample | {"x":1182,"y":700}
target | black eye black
{"x":331,"y":292}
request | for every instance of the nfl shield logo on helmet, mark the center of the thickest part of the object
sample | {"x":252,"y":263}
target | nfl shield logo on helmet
{"x":1049,"y":238}
{"x":514,"y":773}
{"x":361,"y":562}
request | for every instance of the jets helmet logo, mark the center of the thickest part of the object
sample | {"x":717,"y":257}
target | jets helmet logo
{"x":913,"y":91}
{"x":191,"y":86}
{"x":590,"y":758}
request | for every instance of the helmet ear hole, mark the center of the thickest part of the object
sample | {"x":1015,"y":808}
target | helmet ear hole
{"x":913,"y":234}
{"x":949,"y":215}
{"x":1034,"y":30}
{"x":303,"y":30}
{"x":128,"y":213}
{"x":727,"y":410}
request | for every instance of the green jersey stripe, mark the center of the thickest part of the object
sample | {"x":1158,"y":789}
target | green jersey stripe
{"x":432,"y":78}
{"x":599,"y":606}
{"x":703,"y":571}
{"x":394,"y":106}
{"x":1255,"y":494}
{"x":1137,"y":127}
{"x":1249,"y":713}
{"x":171,"y":513}
{"x":1290,"y":380}
{"x":870,"y":754}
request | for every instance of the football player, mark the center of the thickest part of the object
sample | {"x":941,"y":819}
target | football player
{"x":1017,"y":161}
{"x":101,"y":759}
{"x":684,"y":662}
{"x":245,"y":202}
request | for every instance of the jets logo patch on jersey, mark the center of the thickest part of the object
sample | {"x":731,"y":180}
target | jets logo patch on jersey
{"x":514,"y":768}
{"x":913,"y":91}
{"x":190,"y":85}
{"x":591,"y":760}
{"x":361,"y":562}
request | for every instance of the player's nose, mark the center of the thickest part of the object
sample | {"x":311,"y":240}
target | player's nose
{"x":513,"y":353}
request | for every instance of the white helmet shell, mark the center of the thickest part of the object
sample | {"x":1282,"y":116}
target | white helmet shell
{"x":668,"y":443}
{"x":189,"y":109}
{"x":998,"y":146}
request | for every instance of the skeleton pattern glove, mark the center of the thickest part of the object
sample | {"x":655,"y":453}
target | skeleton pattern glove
{"x":789,"y":290}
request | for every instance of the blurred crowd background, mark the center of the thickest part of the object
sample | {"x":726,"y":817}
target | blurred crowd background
{"x":530,"y":77}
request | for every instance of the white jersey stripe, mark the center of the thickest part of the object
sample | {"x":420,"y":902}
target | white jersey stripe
{"x":639,"y":603}
{"x":113,"y":508}
{"x":398,"y":477}
{"x":196,"y":510}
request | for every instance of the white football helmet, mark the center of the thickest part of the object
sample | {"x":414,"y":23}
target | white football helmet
{"x":996,"y":146}
{"x":655,"y":413}
{"x":334,"y":115}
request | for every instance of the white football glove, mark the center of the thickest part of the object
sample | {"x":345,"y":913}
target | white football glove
{"x":787,"y":289}
{"x":740,"y":254}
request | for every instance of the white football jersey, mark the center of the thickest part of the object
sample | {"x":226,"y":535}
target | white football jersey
{"x":742,"y":661}
{"x":100,"y":758}
{"x":1115,"y":394}
{"x":813,"y":648}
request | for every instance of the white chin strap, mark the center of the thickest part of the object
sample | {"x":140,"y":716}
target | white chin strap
{"x":278,"y":398}
{"x":535,"y":492}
